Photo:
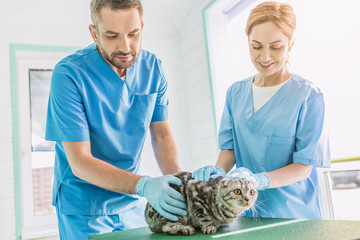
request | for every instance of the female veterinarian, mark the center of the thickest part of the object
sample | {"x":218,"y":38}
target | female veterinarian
{"x":272,"y":126}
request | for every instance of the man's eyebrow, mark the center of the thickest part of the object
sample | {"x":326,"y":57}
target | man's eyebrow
{"x":135,"y":30}
{"x":112,"y":32}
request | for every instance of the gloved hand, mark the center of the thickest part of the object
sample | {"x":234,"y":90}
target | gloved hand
{"x":262,"y":180}
{"x":207,"y":172}
{"x":163,"y":198}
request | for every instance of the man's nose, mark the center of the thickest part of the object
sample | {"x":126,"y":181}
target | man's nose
{"x":124,"y":45}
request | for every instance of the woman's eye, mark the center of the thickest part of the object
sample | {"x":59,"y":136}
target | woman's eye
{"x":237,"y":191}
{"x":256,"y":47}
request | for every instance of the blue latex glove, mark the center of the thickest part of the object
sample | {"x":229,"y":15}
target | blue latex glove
{"x":207,"y":172}
{"x":262,"y":180}
{"x":163,"y":198}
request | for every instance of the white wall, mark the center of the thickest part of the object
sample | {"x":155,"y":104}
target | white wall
{"x":198,"y":98}
{"x":29,"y":22}
{"x":180,"y":46}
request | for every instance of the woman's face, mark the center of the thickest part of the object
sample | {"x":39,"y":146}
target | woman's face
{"x":268,"y":47}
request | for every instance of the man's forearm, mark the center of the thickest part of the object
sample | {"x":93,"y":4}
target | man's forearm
{"x":98,"y":172}
{"x":166,"y":155}
{"x":107,"y":176}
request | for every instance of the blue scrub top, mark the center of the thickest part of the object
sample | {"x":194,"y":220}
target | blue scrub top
{"x":289,"y":128}
{"x":89,"y":102}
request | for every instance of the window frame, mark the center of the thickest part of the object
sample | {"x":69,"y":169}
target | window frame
{"x":215,"y":16}
{"x":22,"y":59}
{"x":325,"y":182}
{"x":30,"y":221}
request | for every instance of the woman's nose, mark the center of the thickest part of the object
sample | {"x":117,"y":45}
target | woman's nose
{"x":265,"y":55}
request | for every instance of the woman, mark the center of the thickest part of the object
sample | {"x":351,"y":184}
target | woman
{"x":273,"y":124}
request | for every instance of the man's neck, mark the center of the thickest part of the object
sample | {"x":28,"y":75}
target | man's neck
{"x":120,"y":72}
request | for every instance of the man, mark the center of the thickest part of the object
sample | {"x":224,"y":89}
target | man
{"x":103,"y":100}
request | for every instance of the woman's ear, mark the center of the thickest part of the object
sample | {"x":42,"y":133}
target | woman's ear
{"x":291,"y":43}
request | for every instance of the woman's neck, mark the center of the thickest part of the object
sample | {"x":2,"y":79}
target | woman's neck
{"x":272,"y":80}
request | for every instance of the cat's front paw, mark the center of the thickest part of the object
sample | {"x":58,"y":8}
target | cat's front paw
{"x":176,"y":228}
{"x":209,"y":230}
{"x":187,"y":230}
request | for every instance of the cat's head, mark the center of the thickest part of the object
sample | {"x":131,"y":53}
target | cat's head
{"x":238,"y":193}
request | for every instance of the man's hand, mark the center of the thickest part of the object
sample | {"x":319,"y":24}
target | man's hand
{"x":163,"y":198}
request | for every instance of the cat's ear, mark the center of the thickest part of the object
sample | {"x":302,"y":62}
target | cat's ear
{"x":225,"y":182}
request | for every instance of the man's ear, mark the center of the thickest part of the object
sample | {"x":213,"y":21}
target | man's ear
{"x":93,"y":33}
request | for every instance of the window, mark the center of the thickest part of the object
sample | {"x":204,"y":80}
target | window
{"x":42,"y":152}
{"x":342,"y":185}
{"x":36,"y":156}
{"x":227,"y":46}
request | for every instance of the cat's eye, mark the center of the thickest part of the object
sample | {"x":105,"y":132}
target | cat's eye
{"x":237,"y":191}
{"x":252,"y":192}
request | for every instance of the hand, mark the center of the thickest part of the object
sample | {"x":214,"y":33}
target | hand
{"x":262,"y":180}
{"x":163,"y":198}
{"x":205,"y":173}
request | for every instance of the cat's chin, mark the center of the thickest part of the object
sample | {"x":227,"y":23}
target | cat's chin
{"x":243,"y":208}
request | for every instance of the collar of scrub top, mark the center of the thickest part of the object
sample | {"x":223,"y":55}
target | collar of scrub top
{"x":254,"y":119}
{"x":103,"y":64}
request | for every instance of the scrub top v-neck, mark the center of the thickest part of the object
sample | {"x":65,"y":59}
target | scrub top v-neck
{"x":289,"y":128}
{"x":90,"y":102}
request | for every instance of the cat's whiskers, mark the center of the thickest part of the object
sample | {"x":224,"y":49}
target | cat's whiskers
{"x":256,"y":209}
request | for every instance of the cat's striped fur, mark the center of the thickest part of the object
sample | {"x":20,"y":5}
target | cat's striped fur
{"x":209,"y":205}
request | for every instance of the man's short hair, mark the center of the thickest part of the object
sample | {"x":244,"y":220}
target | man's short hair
{"x":97,"y":5}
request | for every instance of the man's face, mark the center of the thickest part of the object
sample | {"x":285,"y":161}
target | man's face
{"x":118,"y":36}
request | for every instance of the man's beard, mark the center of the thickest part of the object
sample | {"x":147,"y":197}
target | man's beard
{"x":117,"y":63}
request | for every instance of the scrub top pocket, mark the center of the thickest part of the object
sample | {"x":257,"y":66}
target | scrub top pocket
{"x":146,"y":105}
{"x":278,"y":152}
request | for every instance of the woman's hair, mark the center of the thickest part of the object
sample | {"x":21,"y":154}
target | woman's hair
{"x":281,"y":14}
{"x":97,"y":5}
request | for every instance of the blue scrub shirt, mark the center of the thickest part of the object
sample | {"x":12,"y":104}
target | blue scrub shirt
{"x":289,"y":128}
{"x":89,"y":102}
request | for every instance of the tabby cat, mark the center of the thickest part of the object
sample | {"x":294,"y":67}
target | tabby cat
{"x":209,"y":205}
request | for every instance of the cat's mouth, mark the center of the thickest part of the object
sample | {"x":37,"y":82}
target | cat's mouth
{"x":245,"y":204}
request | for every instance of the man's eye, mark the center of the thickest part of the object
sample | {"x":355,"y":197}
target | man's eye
{"x":111,"y":36}
{"x":133,"y":35}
